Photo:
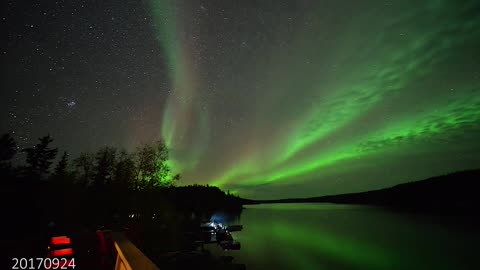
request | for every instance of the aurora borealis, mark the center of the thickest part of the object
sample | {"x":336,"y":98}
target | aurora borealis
{"x":316,"y":95}
{"x":270,"y":99}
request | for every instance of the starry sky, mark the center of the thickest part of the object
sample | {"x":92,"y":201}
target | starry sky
{"x":270,"y":99}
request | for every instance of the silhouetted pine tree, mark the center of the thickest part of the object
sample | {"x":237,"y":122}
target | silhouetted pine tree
{"x":84,"y":166}
{"x":8,"y":149}
{"x":60,"y":171}
{"x":104,"y":167}
{"x":124,"y":172}
{"x":40,"y":158}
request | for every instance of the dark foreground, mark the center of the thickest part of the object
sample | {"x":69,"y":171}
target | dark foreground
{"x":164,"y":222}
{"x":160,"y":221}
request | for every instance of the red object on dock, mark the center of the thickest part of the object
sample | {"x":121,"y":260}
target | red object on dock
{"x":62,"y":252}
{"x":60,"y":246}
{"x":60,"y":240}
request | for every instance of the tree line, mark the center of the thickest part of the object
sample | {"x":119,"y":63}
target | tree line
{"x":109,"y":186}
{"x":145,"y":168}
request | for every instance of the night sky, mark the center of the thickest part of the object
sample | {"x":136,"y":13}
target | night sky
{"x":270,"y":99}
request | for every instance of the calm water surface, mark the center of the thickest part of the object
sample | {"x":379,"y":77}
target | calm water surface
{"x":326,"y":236}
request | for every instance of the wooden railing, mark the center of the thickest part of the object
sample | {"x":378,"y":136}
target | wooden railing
{"x":129,"y":257}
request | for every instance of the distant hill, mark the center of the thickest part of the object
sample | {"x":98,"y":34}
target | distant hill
{"x":457,"y":192}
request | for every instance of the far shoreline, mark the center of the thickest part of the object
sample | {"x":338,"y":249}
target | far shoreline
{"x":453,"y":193}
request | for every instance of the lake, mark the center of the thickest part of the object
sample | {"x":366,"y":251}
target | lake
{"x":329,"y":236}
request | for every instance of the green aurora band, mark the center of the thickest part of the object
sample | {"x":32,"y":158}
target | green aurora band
{"x":330,"y":93}
{"x":180,"y":110}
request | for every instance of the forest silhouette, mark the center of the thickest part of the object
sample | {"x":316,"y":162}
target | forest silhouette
{"x":111,"y":187}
